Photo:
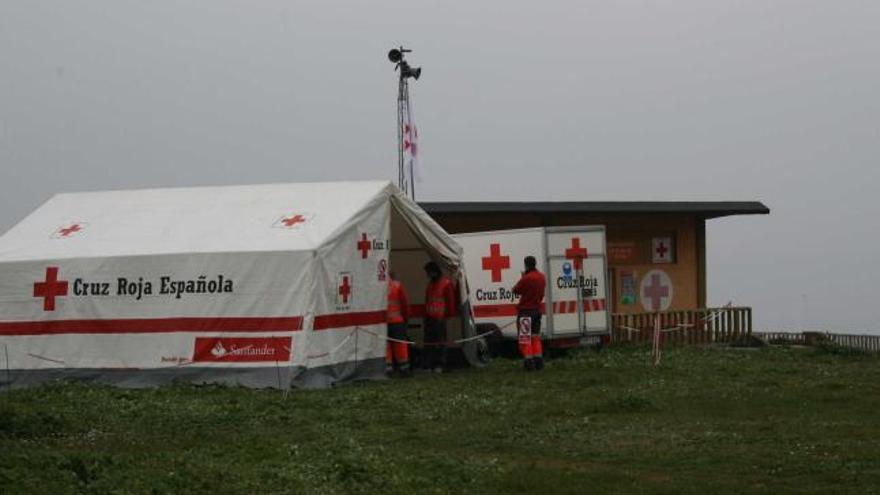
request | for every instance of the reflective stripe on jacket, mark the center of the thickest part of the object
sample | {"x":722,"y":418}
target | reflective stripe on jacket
{"x":440,"y":299}
{"x":398,"y":305}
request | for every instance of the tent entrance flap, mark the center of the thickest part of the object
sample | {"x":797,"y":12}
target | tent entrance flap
{"x":410,"y":250}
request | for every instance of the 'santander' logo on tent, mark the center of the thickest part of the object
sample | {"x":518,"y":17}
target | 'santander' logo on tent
{"x":241,"y":349}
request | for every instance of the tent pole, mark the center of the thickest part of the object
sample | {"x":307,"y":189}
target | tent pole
{"x":412,"y":177}
{"x":356,"y":334}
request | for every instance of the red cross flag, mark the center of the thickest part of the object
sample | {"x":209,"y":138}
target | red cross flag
{"x":411,"y":145}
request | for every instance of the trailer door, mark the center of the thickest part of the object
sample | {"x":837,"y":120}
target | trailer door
{"x":577,"y":278}
{"x":494,"y":265}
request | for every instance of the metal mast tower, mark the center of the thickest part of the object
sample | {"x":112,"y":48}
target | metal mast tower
{"x":406,"y":132}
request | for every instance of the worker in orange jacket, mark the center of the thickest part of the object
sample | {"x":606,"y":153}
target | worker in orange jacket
{"x":397,"y":350}
{"x":530,"y":290}
{"x":439,"y":307}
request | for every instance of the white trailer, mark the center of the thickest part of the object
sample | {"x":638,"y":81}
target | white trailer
{"x":574,"y":262}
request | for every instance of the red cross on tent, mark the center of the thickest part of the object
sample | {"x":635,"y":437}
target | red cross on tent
{"x":50,"y":288}
{"x":345,"y":290}
{"x":656,"y":292}
{"x":495,"y":262}
{"x":576,"y":253}
{"x":72,"y":229}
{"x":364,"y":246}
{"x":292,"y":221}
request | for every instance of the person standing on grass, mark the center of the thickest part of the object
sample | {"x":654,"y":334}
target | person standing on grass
{"x":439,"y":307}
{"x":530,"y":290}
{"x":398,"y":320}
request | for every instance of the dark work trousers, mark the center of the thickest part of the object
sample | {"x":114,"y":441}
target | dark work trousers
{"x":435,"y":344}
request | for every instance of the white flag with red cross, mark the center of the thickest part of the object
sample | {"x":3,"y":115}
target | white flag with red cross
{"x":410,"y":145}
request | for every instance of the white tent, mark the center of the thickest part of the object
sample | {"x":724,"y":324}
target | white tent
{"x":263,"y":286}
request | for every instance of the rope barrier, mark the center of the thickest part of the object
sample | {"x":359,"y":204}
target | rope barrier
{"x":657,"y":342}
{"x":389,"y":339}
{"x":44,"y":358}
{"x":335,"y":349}
{"x":426,"y":344}
{"x":475,"y":337}
{"x":682,"y":326}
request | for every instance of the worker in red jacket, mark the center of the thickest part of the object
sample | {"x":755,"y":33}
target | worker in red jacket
{"x":439,"y":307}
{"x":530,"y":290}
{"x":397,"y":350}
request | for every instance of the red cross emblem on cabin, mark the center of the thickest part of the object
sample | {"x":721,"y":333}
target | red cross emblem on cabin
{"x":576,"y":253}
{"x":662,"y":250}
{"x":656,"y":290}
{"x":496,"y":262}
{"x":50,"y":288}
{"x":343,"y":289}
{"x":364,"y":245}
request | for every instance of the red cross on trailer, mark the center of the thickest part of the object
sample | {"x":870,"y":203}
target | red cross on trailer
{"x":290,"y":222}
{"x":656,"y":292}
{"x":495,"y":262}
{"x":50,"y":288}
{"x":345,"y":290}
{"x":66,"y":231}
{"x":364,"y":246}
{"x":576,"y":253}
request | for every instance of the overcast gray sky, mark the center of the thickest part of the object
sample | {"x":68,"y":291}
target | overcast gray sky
{"x":771,"y":100}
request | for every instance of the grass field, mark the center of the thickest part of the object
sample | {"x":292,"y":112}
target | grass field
{"x":705,"y":421}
